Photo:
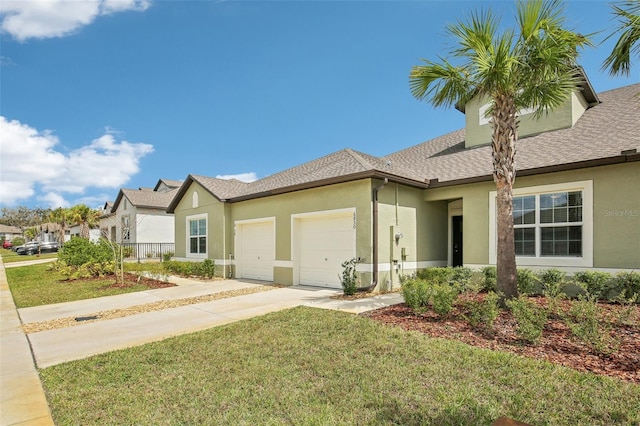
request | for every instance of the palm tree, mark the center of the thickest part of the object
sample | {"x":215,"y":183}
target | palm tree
{"x":628,"y":14}
{"x":60,"y":216}
{"x":532,"y":68}
{"x":86,"y":217}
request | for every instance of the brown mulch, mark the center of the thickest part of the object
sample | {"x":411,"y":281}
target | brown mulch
{"x":557,"y":344}
{"x":131,"y":280}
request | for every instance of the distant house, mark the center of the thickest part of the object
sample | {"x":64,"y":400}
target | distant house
{"x":139,"y":216}
{"x":8,"y":233}
{"x":576,"y":205}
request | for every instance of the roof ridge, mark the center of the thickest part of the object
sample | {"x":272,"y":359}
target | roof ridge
{"x":356,"y":156}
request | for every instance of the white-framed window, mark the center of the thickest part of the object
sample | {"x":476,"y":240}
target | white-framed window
{"x":553,"y":225}
{"x":197,"y":235}
{"x":194,"y":200}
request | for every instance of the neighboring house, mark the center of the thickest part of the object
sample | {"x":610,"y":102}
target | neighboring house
{"x":576,"y":204}
{"x":108,"y":222}
{"x":75,"y":231}
{"x":8,"y":232}
{"x":140,"y":217}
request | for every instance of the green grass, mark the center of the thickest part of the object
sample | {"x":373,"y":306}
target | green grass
{"x":36,"y":285}
{"x":9,"y":256}
{"x":315,"y":367}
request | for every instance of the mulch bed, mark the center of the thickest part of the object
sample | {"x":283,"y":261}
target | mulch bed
{"x":557,"y":344}
{"x":131,"y":280}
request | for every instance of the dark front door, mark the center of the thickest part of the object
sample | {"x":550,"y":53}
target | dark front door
{"x":456,"y":240}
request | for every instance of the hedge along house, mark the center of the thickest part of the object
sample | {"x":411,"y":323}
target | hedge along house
{"x":576,"y":205}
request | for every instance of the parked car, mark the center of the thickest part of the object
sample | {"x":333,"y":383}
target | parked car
{"x":34,"y":247}
{"x":6,"y":244}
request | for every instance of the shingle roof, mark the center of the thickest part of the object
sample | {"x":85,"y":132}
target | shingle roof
{"x":169,"y":183}
{"x":145,"y":198}
{"x":603,"y":131}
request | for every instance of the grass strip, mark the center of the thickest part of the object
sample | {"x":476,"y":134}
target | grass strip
{"x":313,"y":366}
{"x":36,"y":285}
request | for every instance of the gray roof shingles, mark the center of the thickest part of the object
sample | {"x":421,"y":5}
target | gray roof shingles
{"x":603,"y":131}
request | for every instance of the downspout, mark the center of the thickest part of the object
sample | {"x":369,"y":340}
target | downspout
{"x":374,"y":230}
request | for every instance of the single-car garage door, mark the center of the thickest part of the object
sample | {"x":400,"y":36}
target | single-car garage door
{"x":325,"y":243}
{"x":255,"y":254}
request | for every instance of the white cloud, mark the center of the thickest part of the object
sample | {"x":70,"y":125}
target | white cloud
{"x":57,"y":18}
{"x":244,"y":177}
{"x":54,"y":200}
{"x":30,"y":162}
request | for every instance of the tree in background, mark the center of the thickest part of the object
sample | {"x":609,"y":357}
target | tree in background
{"x":628,"y":16}
{"x":85,"y":217}
{"x":534,"y":67}
{"x":60,"y":217}
{"x":22,"y":216}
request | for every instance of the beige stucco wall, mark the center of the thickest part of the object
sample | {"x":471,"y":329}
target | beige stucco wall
{"x":616,"y":212}
{"x":217,"y":239}
{"x":562,"y":117}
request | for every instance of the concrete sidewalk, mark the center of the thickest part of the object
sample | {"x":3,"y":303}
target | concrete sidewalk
{"x":23,"y":400}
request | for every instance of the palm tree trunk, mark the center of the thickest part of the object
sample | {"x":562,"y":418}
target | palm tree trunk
{"x":504,"y":136}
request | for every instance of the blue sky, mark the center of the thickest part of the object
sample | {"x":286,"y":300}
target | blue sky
{"x":96,"y":95}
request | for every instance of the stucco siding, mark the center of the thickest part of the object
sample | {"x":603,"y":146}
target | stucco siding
{"x":206,"y":205}
{"x":615,"y":221}
{"x":153,"y":227}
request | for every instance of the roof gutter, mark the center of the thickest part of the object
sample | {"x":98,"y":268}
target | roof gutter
{"x":369,"y":174}
{"x":627,"y":156}
{"x":374,"y":197}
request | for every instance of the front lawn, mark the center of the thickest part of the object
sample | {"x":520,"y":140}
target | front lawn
{"x":311,"y":366}
{"x":9,"y":256}
{"x":36,"y":285}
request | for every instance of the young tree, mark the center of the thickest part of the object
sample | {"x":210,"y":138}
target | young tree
{"x":628,"y":15}
{"x":534,"y":67}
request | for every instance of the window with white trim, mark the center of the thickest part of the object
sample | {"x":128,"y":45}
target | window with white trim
{"x":548,"y":224}
{"x":197,"y":235}
{"x":553,"y":225}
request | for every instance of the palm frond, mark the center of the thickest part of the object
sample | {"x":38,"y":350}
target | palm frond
{"x":628,"y":44}
{"x":442,"y":84}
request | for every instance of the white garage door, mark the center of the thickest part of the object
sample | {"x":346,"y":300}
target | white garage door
{"x":325,"y":243}
{"x":256,"y":250}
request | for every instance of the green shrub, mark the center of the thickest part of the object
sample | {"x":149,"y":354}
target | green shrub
{"x":530,"y":318}
{"x":597,"y":284}
{"x":167,"y":256}
{"x":207,"y":269}
{"x":17,"y":241}
{"x":416,"y":293}
{"x":553,"y":282}
{"x":584,"y":322}
{"x":527,"y":281}
{"x":349,"y":278}
{"x":78,"y":251}
{"x":435,"y":275}
{"x":490,"y":278}
{"x":461,"y":278}
{"x":627,"y":284}
{"x":483,"y":313}
{"x":443,"y":297}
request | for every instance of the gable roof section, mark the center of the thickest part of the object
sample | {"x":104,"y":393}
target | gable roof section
{"x":599,"y":136}
{"x":145,"y":198}
{"x":169,"y":183}
{"x":8,"y":229}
